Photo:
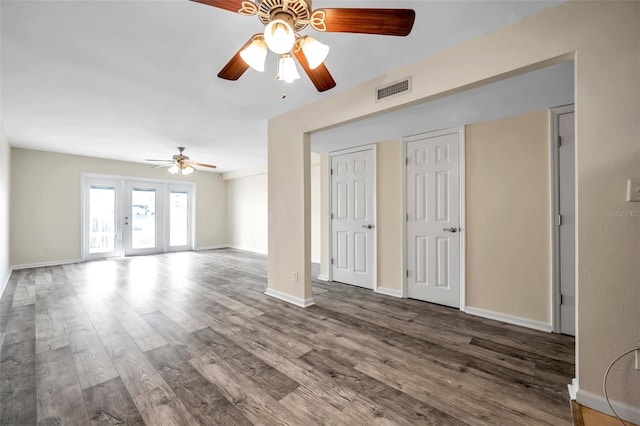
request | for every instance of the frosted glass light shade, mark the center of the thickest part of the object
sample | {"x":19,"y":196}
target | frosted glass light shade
{"x":174,"y":169}
{"x":287,"y":69}
{"x":314,"y":51}
{"x":255,"y":54}
{"x":187,"y":170}
{"x":279,"y":36}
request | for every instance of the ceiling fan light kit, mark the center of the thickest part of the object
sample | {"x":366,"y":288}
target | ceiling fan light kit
{"x":183,"y":170}
{"x":287,"y":70}
{"x":255,"y":54}
{"x":315,"y":51}
{"x":284,"y":19}
{"x":279,"y":35}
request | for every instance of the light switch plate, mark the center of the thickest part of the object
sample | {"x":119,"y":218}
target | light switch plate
{"x":633,"y":189}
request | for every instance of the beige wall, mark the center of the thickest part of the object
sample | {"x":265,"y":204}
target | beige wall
{"x":45,"y":203}
{"x":604,"y":39}
{"x":325,"y":203}
{"x":316,"y":205}
{"x":508,"y":216}
{"x":389,"y":215}
{"x":247,"y":212}
{"x":247,"y":209}
{"x":5,"y":154}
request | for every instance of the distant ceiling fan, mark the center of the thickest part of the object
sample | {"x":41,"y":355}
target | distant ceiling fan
{"x":285,"y":18}
{"x":180,"y":163}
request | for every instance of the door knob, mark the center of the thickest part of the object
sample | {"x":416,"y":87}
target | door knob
{"x":452,"y":229}
{"x":367,"y":226}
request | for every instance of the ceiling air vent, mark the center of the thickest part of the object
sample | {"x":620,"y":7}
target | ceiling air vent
{"x":394,"y":89}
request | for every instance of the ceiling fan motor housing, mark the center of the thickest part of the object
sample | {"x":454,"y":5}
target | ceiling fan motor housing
{"x":297,"y":12}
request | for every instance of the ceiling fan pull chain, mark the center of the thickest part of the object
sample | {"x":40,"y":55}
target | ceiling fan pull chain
{"x":283,"y":94}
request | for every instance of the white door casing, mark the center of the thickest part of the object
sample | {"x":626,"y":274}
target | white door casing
{"x":433,"y":217}
{"x":353,"y":230}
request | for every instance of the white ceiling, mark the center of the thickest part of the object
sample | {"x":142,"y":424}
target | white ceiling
{"x":130,"y":80}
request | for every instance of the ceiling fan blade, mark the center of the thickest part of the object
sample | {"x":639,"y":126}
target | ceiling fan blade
{"x":164,"y":161}
{"x":211,"y":166}
{"x":230,"y":5}
{"x":319,"y":76}
{"x":394,"y":22}
{"x":162,"y":165}
{"x":236,"y":66}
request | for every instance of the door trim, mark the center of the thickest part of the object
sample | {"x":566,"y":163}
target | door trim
{"x":554,"y":192}
{"x":372,"y":147}
{"x":463,"y":220}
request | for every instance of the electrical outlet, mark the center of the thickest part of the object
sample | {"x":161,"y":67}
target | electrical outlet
{"x":295,"y":277}
{"x":633,"y":189}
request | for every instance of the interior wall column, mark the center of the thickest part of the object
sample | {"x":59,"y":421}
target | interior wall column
{"x":289,"y":171}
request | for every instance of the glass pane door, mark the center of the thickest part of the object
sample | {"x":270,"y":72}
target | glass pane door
{"x":142,"y":215}
{"x":143,"y":218}
{"x":178,"y":219}
{"x":101,"y":233}
{"x":102,"y":219}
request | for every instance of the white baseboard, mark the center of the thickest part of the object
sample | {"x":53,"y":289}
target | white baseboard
{"x":524,"y":322}
{"x":597,"y":402}
{"x":247,"y":249}
{"x":288,"y":298}
{"x":219,"y":246}
{"x":323,"y":277}
{"x":389,"y":292}
{"x":44,"y":264}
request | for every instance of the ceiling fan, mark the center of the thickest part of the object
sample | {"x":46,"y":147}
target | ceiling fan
{"x":180,"y":163}
{"x":284,"y":19}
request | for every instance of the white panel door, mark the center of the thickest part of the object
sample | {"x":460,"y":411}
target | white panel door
{"x":433,"y":218}
{"x":567,"y":198}
{"x":352,"y":223}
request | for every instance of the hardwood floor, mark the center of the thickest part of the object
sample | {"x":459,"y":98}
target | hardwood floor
{"x":190,"y":338}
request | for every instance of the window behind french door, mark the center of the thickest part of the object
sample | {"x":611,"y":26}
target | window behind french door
{"x":126,"y":217}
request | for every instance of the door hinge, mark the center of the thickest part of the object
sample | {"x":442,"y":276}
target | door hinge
{"x":559,"y":140}
{"x":561,"y":300}
{"x":331,"y":215}
{"x":332,"y":261}
{"x":559,"y":219}
{"x":407,"y":273}
{"x":406,"y":161}
{"x":331,"y":171}
{"x":407,"y":217}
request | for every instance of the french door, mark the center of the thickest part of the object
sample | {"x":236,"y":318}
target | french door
{"x":141,"y":233}
{"x":124,"y":217}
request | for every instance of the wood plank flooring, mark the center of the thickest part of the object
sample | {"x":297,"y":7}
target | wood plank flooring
{"x":191,"y":338}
